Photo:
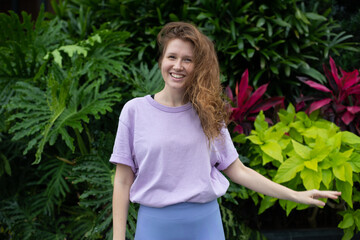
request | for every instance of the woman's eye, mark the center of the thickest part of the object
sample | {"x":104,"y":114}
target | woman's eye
{"x":171,"y":57}
{"x":188,"y":60}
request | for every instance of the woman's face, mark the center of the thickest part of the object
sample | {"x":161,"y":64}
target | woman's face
{"x":177,"y":64}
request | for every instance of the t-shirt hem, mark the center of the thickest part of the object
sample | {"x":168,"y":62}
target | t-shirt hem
{"x":224,"y":165}
{"x":116,"y":159}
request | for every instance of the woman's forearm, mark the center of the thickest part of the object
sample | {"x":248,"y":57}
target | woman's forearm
{"x":124,"y":177}
{"x":253,"y":180}
{"x":120,"y":211}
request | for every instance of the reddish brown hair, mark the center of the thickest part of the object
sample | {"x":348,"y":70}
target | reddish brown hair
{"x":204,"y":88}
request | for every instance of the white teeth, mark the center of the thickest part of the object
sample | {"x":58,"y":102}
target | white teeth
{"x":177,"y":75}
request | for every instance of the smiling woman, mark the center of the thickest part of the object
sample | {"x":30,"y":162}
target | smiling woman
{"x":170,"y":149}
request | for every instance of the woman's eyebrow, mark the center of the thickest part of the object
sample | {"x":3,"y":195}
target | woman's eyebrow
{"x":171,"y":53}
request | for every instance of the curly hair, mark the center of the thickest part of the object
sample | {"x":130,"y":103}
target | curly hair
{"x":203,"y":89}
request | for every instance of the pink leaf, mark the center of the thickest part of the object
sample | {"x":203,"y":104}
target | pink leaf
{"x":237,"y":113}
{"x":255,"y":96}
{"x":317,"y":86}
{"x":349,"y":79}
{"x":243,"y":88}
{"x":353,"y":109}
{"x":229,"y":93}
{"x":299,"y":106}
{"x":239,"y":129}
{"x":339,"y":108}
{"x":334,"y":72}
{"x":319,"y":104}
{"x":330,"y":79}
{"x":347,"y":118}
{"x":354,"y":90}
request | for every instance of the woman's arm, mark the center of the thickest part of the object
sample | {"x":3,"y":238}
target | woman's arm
{"x":124,"y":178}
{"x":251,"y":179}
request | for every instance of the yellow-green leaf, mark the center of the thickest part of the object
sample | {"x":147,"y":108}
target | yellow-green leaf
{"x":327,"y":177}
{"x":260,"y":124}
{"x":347,"y":221}
{"x":273,"y":149}
{"x":266,"y":203}
{"x":266,"y":159}
{"x":302,"y":150}
{"x":312,"y":164}
{"x":311,"y":179}
{"x":294,"y":134}
{"x":241,"y":138}
{"x":339,"y":172}
{"x":346,"y":191}
{"x":349,"y":137}
{"x":355,"y":162}
{"x":255,"y":139}
{"x":288,"y":169}
{"x":348,"y":173}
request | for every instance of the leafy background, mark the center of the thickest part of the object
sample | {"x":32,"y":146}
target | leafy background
{"x":65,"y":75}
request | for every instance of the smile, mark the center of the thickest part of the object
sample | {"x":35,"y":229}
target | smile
{"x":177,"y":76}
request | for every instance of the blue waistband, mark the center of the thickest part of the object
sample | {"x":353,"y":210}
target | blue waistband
{"x":181,"y":211}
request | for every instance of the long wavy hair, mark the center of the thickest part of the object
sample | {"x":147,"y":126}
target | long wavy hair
{"x":203,"y":89}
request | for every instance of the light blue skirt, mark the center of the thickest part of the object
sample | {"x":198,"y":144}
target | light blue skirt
{"x":184,"y":221}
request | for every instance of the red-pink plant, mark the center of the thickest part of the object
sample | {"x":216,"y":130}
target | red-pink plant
{"x":341,"y":103}
{"x":246,"y":105}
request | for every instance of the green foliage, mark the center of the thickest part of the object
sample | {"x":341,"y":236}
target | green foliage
{"x":350,"y":223}
{"x":66,"y":103}
{"x":235,"y":230}
{"x":305,"y":153}
{"x":146,"y":81}
{"x":54,"y":90}
{"x":276,"y":40}
{"x":96,"y":173}
{"x":65,"y":77}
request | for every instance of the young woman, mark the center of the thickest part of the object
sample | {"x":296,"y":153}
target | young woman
{"x":170,"y":149}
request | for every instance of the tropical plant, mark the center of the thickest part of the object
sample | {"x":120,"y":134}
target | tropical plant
{"x":145,"y":80}
{"x":341,"y":103}
{"x":248,"y":104}
{"x":277,"y":41}
{"x":66,"y":102}
{"x":307,"y":153}
{"x":52,"y":113}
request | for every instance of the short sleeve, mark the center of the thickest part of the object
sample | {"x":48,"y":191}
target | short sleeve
{"x":224,"y":152}
{"x":123,"y":147}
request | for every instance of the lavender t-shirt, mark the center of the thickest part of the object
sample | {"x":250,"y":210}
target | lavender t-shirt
{"x":170,"y":155}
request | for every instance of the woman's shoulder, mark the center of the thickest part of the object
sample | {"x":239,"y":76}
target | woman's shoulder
{"x":135,"y":103}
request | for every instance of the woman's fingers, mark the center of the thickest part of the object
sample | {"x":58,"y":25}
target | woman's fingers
{"x":326,"y":194}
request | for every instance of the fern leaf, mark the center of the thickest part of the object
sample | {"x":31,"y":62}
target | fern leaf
{"x":145,"y":80}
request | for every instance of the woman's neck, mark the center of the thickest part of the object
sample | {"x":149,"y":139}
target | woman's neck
{"x":171,"y":99}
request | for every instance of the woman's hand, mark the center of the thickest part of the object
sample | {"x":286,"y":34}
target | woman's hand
{"x":311,"y":197}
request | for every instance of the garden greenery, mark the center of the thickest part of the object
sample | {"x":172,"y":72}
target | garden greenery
{"x":64,"y":78}
{"x":307,"y":152}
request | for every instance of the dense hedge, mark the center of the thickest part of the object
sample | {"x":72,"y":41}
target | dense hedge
{"x":65,"y":77}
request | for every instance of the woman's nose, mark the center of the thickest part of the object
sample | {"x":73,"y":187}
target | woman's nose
{"x":178,"y":65}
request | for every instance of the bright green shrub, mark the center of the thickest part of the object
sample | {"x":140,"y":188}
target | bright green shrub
{"x":304,"y":152}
